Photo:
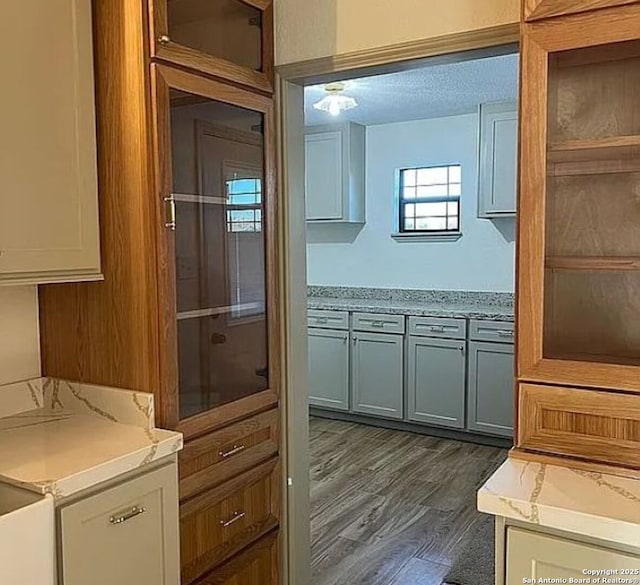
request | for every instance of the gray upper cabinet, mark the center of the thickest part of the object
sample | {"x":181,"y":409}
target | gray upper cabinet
{"x":377,"y":370}
{"x":436,"y":381}
{"x":497,"y":187}
{"x":491,"y":388}
{"x":335,"y":173}
{"x":329,"y":369}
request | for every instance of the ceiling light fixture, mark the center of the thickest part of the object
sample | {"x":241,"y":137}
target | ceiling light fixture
{"x":334,"y":102}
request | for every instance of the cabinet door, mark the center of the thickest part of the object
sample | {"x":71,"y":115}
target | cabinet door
{"x":491,"y":384}
{"x":535,"y":556}
{"x":436,"y":381}
{"x":126,"y":535}
{"x":329,"y":369}
{"x":216,"y":160}
{"x":231,"y":39}
{"x":377,"y":370}
{"x":323,"y":175}
{"x":537,"y":9}
{"x":48,"y":172}
{"x":497,"y":187}
{"x":579,"y":250}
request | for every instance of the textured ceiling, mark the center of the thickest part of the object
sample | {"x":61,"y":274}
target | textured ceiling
{"x":431,"y":92}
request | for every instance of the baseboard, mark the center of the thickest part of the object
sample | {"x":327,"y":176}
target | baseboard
{"x":398,"y":425}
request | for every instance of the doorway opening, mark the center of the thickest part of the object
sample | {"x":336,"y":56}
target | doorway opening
{"x":408,"y":215}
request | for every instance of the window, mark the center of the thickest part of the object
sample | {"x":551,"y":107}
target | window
{"x":429,"y":200}
{"x":244,"y":205}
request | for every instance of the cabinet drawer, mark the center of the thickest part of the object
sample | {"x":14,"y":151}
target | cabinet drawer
{"x":491,"y":331}
{"x":257,"y":564}
{"x":214,"y":458}
{"x":328,"y":319}
{"x":438,"y":327}
{"x":127,"y":534}
{"x":221,"y":522}
{"x":378,"y":323}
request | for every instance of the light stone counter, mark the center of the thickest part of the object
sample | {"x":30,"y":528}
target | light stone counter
{"x":587,"y":503}
{"x":60,"y":438}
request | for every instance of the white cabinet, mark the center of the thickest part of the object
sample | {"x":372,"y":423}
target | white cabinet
{"x":48,"y":201}
{"x":532,"y":556}
{"x":497,"y":186}
{"x":377,"y":374}
{"x":127,"y":534}
{"x":329,"y":369}
{"x":334,"y":173}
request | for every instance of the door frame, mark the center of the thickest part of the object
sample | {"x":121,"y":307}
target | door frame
{"x":290,"y":82}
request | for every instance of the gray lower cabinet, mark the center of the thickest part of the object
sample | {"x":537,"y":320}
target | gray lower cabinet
{"x":329,"y":369}
{"x":377,"y":374}
{"x":491,"y":387}
{"x":436,"y":381}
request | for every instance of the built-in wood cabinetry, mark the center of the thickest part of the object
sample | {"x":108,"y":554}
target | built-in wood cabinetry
{"x":188,"y":308}
{"x":579,"y":240}
{"x":48,"y":204}
{"x":539,"y":9}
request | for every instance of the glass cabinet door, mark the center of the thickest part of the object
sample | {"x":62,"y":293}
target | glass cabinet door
{"x":581,"y":215}
{"x":227,"y":38}
{"x":219,"y":195}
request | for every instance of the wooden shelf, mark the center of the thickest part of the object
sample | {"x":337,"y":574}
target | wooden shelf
{"x":600,"y":149}
{"x":593,"y":263}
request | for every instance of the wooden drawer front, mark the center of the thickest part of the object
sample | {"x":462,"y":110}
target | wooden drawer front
{"x":491,"y":331}
{"x":328,"y":319}
{"x":438,"y":327}
{"x":214,"y":458}
{"x":258,"y":565}
{"x":125,"y":534}
{"x":596,"y":425}
{"x":378,"y":323}
{"x":219,"y":523}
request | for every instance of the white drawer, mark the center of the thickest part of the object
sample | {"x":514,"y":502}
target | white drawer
{"x":438,"y":327}
{"x":327,"y":319}
{"x":378,"y":323}
{"x":501,"y":331}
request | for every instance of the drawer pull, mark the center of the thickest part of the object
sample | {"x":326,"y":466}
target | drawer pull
{"x":377,"y":324}
{"x":505,"y":333}
{"x":322,"y":320}
{"x":135,"y":511}
{"x":236,"y":516}
{"x":236,"y":449}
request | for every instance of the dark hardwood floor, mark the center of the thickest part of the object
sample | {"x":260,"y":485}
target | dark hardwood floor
{"x":390,"y":507}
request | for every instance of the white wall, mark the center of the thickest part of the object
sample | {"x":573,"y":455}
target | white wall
{"x":309,"y":29}
{"x":483,"y":259}
{"x":19,"y":341}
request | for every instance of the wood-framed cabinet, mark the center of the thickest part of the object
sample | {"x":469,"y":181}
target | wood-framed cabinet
{"x":579,"y":236}
{"x":538,"y":9}
{"x":229,"y":39}
{"x":188,"y":309}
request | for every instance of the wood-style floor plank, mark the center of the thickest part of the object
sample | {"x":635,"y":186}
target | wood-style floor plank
{"x":390,"y":507}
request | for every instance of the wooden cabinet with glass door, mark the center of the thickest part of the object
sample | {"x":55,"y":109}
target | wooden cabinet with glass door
{"x":579,"y":259}
{"x":538,"y":9}
{"x":188,"y":309}
{"x":230,"y":39}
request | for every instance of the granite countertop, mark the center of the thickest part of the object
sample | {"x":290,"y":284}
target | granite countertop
{"x":462,"y":305}
{"x":592,"y":504}
{"x":60,"y":438}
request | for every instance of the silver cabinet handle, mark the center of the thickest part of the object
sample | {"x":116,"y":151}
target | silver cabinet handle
{"x":236,"y":516}
{"x":377,"y":324}
{"x":123,"y":517}
{"x":322,"y":320}
{"x":164,"y":39}
{"x":505,"y":333}
{"x":461,"y":348}
{"x":355,"y":339}
{"x":437,"y":328}
{"x":234,"y":451}
{"x":345,"y":339}
{"x":170,"y":213}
